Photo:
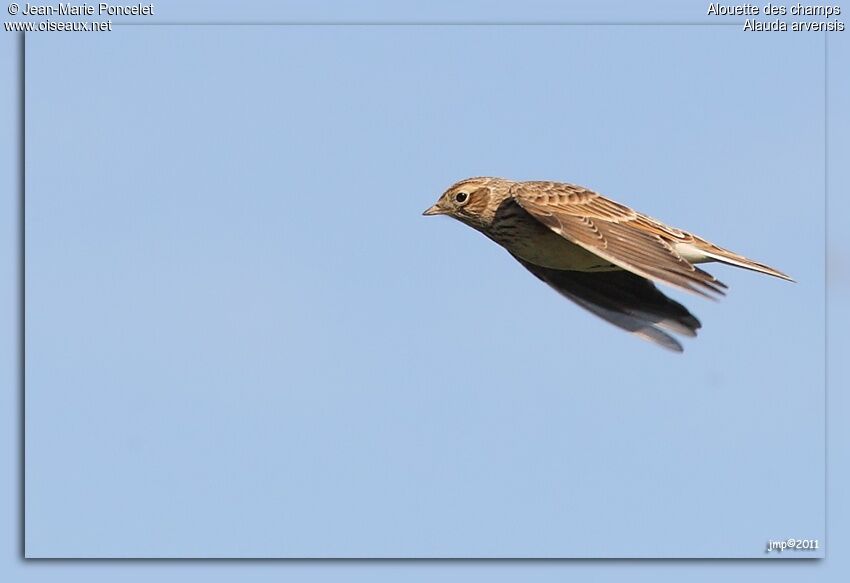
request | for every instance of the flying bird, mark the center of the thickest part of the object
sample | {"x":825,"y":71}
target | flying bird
{"x":599,"y":253}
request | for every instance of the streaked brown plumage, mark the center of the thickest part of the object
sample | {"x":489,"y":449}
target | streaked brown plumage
{"x":599,"y":253}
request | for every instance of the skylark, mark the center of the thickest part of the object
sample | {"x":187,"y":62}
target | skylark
{"x":601,"y":254}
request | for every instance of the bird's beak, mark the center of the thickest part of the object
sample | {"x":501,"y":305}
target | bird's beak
{"x":433,"y":210}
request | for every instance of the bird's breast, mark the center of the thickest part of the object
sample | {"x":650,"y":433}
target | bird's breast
{"x":534,"y":242}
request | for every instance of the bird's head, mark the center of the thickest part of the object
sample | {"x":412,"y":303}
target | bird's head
{"x":472,"y":201}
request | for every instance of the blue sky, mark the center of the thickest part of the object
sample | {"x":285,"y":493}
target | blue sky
{"x":264,"y":347}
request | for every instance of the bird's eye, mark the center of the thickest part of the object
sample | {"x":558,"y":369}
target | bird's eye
{"x":461,"y":197}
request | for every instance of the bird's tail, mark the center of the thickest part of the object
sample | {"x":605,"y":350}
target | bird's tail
{"x":730,"y":258}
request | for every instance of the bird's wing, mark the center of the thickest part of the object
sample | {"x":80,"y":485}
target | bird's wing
{"x":624,"y":299}
{"x":614,"y":232}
